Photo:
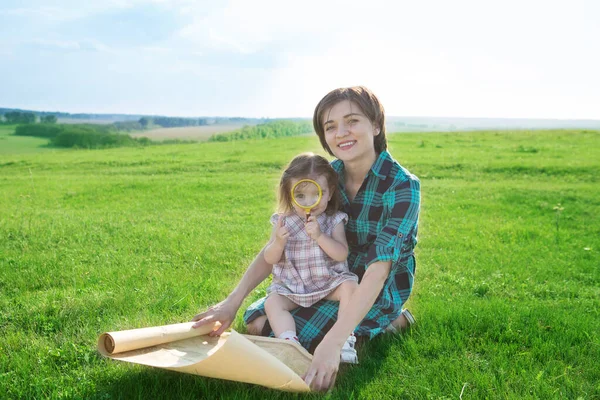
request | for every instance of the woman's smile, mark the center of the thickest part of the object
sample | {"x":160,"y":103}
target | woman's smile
{"x":347,"y":144}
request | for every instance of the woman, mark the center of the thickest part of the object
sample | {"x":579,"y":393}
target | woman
{"x":382,"y":200}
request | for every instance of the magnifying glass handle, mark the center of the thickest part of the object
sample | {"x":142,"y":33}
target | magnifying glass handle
{"x":307,"y":216}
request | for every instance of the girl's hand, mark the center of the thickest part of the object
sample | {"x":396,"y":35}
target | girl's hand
{"x":224,"y":312}
{"x":324,"y":367}
{"x":312,"y":228}
{"x":281,"y":232}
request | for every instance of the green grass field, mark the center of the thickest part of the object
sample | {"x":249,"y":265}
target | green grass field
{"x":18,"y":145}
{"x":507,"y":293}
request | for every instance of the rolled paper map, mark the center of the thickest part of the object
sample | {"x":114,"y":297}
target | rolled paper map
{"x":232,"y":356}
{"x":133,"y":339}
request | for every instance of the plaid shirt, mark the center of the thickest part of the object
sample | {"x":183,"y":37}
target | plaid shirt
{"x":382,"y":226}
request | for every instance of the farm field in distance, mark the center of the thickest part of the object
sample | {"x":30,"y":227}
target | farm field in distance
{"x":197,"y":133}
{"x":507,"y":289}
{"x":98,"y":121}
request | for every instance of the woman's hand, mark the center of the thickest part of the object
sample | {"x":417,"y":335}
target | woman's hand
{"x":312,"y":228}
{"x":224,"y":312}
{"x":324,"y":367}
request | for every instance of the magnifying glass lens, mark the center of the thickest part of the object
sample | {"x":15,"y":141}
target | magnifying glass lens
{"x":306,"y":194}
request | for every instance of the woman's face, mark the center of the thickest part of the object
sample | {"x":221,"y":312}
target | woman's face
{"x":349,"y":133}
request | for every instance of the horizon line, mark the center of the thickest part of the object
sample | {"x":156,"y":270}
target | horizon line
{"x":274,"y":118}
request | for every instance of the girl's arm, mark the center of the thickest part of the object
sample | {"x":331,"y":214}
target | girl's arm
{"x":279,"y":236}
{"x":335,"y":245}
{"x":225,"y":311}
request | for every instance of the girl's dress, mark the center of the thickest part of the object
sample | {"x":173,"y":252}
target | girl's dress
{"x":306,"y":274}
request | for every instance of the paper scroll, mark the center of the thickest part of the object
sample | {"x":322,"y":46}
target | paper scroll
{"x":274,"y":363}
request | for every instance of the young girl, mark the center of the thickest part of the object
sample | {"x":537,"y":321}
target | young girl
{"x":308,"y":255}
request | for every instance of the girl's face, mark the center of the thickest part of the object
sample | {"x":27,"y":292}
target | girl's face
{"x":349,"y":133}
{"x":319,"y":208}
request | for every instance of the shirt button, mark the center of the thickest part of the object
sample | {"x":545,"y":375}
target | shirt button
{"x":399,"y":234}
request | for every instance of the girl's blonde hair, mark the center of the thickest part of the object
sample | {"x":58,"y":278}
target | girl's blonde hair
{"x":311,"y":166}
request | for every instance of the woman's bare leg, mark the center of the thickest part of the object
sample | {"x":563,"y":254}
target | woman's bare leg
{"x":400,"y":323}
{"x":256,"y":326}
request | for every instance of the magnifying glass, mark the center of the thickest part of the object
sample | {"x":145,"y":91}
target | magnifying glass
{"x":306,"y":194}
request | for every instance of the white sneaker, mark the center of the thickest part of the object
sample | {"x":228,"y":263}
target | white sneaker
{"x":348,"y":354}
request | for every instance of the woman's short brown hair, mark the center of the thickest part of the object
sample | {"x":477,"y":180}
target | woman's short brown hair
{"x":311,"y":166}
{"x":369,"y":105}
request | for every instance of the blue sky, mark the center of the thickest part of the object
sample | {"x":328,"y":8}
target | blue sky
{"x":520,"y":59}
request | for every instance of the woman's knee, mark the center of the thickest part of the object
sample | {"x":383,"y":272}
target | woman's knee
{"x":343,"y":292}
{"x":256,"y":326}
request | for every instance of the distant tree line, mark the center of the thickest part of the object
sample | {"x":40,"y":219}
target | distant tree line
{"x":126,"y":122}
{"x":273,"y":129}
{"x":87,"y":136}
{"x":48,"y":119}
{"x":86,"y":116}
{"x":172,"y":122}
{"x":127,"y":126}
{"x":19,"y":117}
{"x":176,"y":122}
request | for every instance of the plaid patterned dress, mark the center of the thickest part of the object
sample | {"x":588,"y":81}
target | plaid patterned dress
{"x":382,"y":226}
{"x":306,"y":274}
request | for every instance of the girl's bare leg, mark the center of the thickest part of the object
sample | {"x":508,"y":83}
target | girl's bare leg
{"x":278,"y":309}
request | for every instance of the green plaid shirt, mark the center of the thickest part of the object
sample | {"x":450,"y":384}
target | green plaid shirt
{"x":383,"y":216}
{"x":382,"y":226}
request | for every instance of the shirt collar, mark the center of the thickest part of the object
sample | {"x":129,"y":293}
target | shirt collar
{"x":380,"y":168}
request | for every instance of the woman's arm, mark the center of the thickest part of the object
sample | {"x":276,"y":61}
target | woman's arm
{"x":225,"y":311}
{"x":273,"y":252}
{"x":323,"y":370}
{"x":335,"y":246}
{"x":361,"y":302}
